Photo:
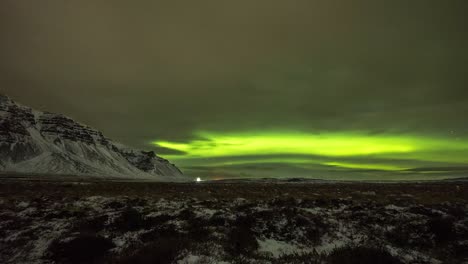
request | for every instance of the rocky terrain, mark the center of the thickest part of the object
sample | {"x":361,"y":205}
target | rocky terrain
{"x":40,"y":142}
{"x":112,"y":222}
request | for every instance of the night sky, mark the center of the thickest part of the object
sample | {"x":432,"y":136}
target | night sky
{"x":337,"y":89}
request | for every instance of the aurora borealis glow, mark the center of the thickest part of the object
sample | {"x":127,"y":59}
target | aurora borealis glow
{"x":326,"y":150}
{"x":290,"y":143}
{"x":339,"y":89}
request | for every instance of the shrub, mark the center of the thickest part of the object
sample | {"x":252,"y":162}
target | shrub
{"x":91,"y":225}
{"x":241,"y":241}
{"x":460,"y":250}
{"x":82,"y":249}
{"x":164,"y":250}
{"x":411,"y":234}
{"x":158,"y":232}
{"x":457,"y":211}
{"x":197,"y":229}
{"x":137,"y":202}
{"x":157,"y":220}
{"x":114,"y":205}
{"x":285,"y":202}
{"x":361,"y":255}
{"x":129,"y":220}
{"x":218,"y":219}
{"x":186,"y":214}
{"x":299,"y":258}
{"x":442,"y":228}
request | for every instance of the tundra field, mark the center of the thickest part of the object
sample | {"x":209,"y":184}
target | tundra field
{"x":97,"y":221}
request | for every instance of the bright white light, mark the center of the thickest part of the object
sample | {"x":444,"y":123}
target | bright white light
{"x":198,"y":180}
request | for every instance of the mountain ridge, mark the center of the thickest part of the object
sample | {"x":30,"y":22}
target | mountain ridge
{"x":33,"y":141}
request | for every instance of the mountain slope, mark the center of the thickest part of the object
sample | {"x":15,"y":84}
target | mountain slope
{"x":40,"y":142}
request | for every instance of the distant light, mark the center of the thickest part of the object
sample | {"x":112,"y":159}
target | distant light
{"x":198,"y":180}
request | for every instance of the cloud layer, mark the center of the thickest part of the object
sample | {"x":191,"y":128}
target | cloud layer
{"x":161,"y":70}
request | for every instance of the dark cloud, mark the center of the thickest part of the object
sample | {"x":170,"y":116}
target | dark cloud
{"x":160,"y":70}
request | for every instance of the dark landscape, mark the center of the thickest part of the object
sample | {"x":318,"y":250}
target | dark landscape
{"x":60,"y":221}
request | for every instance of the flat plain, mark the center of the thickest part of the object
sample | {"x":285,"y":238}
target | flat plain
{"x":59,"y":220}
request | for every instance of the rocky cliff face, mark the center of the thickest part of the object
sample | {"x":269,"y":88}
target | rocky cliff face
{"x":40,"y":142}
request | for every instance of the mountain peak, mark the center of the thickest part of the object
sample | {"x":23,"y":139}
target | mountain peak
{"x":42,"y":142}
{"x":4,"y":99}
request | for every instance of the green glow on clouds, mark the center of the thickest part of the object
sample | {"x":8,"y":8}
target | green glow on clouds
{"x":384,"y":167}
{"x":215,"y":145}
{"x":332,"y":148}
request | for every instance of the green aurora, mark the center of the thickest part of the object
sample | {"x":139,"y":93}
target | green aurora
{"x":353,"y":151}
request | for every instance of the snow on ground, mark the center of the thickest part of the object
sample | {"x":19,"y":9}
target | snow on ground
{"x":224,"y":231}
{"x":277,"y":248}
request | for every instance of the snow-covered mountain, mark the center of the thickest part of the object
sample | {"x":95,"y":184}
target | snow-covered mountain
{"x":40,"y":142}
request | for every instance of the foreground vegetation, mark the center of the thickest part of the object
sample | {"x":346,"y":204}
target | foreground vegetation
{"x":250,"y":222}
